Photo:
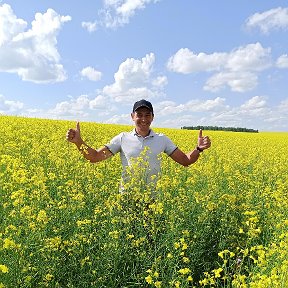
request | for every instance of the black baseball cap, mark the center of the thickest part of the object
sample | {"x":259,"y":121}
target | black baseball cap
{"x":143,"y":103}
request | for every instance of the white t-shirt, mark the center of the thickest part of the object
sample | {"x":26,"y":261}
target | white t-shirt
{"x":130,"y":145}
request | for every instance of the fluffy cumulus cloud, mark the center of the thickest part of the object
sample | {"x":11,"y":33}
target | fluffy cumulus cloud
{"x":282,"y":61}
{"x":134,"y":80}
{"x":116,"y":13}
{"x":256,"y":107}
{"x":82,"y":106}
{"x":197,"y":105}
{"x":193,"y":112}
{"x":236,"y":70}
{"x":237,"y":82}
{"x":253,"y":113}
{"x":91,"y":73}
{"x":9,"y":106}
{"x":99,"y":102}
{"x":32,"y":53}
{"x":274,"y":19}
{"x":74,"y":107}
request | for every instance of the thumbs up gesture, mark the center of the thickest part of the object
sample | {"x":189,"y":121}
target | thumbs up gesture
{"x":73,"y":135}
{"x":203,"y":141}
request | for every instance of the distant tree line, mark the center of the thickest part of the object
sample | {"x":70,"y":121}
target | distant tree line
{"x":217,"y":128}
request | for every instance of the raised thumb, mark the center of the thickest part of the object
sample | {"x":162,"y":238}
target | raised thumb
{"x":78,"y":126}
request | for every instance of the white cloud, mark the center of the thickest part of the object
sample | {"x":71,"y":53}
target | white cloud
{"x":236,"y":69}
{"x":252,"y":57}
{"x":237,"y":81}
{"x":169,"y":107}
{"x":91,"y":73}
{"x":209,"y":105}
{"x":116,"y":13}
{"x":256,"y":107}
{"x":90,"y":26}
{"x":119,"y":119}
{"x":160,"y":81}
{"x":133,"y":80}
{"x":74,"y":107}
{"x":255,"y":102}
{"x":9,"y":106}
{"x":282,"y":61}
{"x":274,"y":19}
{"x":82,"y":106}
{"x":99,"y":102}
{"x":253,"y":113}
{"x":283,"y":107}
{"x":32,"y":54}
{"x":186,"y":62}
{"x":10,"y":25}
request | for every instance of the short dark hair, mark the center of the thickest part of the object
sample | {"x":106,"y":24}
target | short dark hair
{"x":143,"y":103}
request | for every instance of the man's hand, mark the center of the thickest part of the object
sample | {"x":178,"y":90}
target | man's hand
{"x":203,"y":142}
{"x":74,"y":135}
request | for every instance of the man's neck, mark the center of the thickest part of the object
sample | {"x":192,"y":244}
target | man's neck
{"x":143,"y":133}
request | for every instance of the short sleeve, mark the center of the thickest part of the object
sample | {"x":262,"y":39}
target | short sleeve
{"x":170,"y":147}
{"x":115,"y":144}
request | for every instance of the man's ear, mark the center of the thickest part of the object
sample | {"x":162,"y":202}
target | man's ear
{"x":132,"y":116}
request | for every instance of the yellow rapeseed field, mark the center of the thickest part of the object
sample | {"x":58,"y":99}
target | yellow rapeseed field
{"x":222,"y":222}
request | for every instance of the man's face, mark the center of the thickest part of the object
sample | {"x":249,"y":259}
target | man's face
{"x":142,"y":118}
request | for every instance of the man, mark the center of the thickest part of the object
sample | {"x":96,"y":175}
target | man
{"x":130,"y":145}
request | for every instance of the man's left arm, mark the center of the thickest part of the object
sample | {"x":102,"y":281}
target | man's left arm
{"x":191,"y":157}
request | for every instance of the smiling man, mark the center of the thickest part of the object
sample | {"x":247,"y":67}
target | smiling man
{"x":141,"y":138}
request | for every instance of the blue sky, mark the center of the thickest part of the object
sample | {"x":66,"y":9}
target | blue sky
{"x":222,"y":63}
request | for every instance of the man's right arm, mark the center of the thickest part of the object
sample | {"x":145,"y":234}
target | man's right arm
{"x":74,"y":136}
{"x":93,"y":155}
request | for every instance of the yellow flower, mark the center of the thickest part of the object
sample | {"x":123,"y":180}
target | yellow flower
{"x":4,"y":268}
{"x":169,"y":255}
{"x":149,"y":279}
{"x":217,"y":272}
{"x":48,"y":277}
{"x":185,"y":233}
{"x":184,"y":271}
{"x":176,"y":245}
{"x":185,"y":246}
{"x":186,"y":260}
{"x":189,"y":278}
{"x":9,"y":244}
{"x":42,"y":216}
{"x":157,"y":284}
{"x":177,"y":284}
{"x":114,"y":234}
{"x":204,"y":282}
{"x":129,"y":236}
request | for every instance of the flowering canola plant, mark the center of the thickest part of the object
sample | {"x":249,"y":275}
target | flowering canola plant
{"x":222,"y":222}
